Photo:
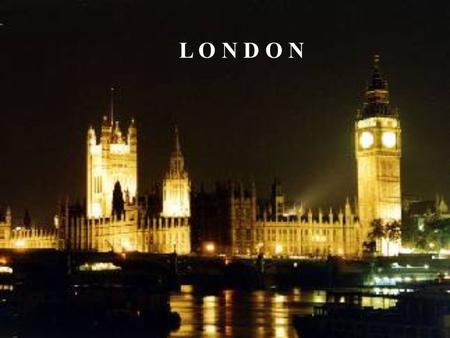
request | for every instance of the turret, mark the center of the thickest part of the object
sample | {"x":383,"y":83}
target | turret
{"x":132,"y":136}
{"x":105,"y":136}
{"x":348,"y":209}
{"x":331,"y":216}
{"x":176,"y":186}
{"x":301,"y":211}
{"x":320,"y":216}
{"x":341,"y":217}
{"x":277,"y":199}
{"x":441,"y":206}
{"x":176,"y":165}
{"x":8,"y":217}
{"x":117,"y":134}
{"x":91,"y":137}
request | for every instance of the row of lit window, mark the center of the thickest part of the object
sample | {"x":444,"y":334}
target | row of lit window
{"x":283,"y":234}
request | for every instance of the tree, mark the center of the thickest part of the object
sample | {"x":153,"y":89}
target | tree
{"x":118,"y":205}
{"x":377,"y":232}
{"x":434,"y":235}
{"x":27,"y":219}
{"x":393,"y":232}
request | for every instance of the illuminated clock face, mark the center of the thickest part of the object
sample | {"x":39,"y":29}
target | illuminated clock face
{"x":389,"y":139}
{"x":366,"y":139}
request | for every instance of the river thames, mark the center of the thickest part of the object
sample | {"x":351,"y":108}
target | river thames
{"x":261,"y":313}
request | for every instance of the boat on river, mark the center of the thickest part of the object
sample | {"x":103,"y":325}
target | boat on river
{"x":424,"y":313}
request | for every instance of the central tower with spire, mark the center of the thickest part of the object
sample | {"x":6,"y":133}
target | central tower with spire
{"x":112,"y":160}
{"x":378,"y":152}
{"x":176,"y":184}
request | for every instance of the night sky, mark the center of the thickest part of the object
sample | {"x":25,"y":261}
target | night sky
{"x":244,"y":119}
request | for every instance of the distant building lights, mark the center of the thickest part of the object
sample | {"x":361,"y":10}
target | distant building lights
{"x":278,"y":249}
{"x":126,"y":246}
{"x":4,"y":269}
{"x":21,"y":244}
{"x":99,"y":266}
{"x":366,"y":139}
{"x":210,"y":247}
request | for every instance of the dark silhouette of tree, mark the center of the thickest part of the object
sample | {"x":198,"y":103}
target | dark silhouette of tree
{"x":27,"y":219}
{"x":118,"y":205}
{"x":393,"y":231}
{"x":376,"y":233}
{"x":369,"y":247}
{"x":435,"y":235}
{"x":377,"y":230}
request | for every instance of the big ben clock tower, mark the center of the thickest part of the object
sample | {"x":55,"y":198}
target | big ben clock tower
{"x":378,"y":152}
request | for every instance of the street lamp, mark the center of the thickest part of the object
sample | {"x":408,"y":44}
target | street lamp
{"x":210,"y":247}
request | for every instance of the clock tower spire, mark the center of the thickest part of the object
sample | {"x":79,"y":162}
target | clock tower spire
{"x":378,"y":152}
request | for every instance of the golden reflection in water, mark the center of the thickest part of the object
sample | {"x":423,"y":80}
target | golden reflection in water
{"x":228,"y":296}
{"x":262,"y":313}
{"x":209,"y":312}
{"x":280,"y":315}
{"x":319,"y":297}
{"x":378,"y":302}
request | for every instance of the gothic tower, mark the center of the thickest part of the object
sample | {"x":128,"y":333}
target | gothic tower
{"x":378,"y":152}
{"x":176,"y":185}
{"x":112,"y":160}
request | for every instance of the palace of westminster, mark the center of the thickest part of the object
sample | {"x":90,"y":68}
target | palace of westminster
{"x":231,"y":219}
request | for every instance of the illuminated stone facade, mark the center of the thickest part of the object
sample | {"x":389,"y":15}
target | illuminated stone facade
{"x":5,"y":227}
{"x":98,"y":226}
{"x":240,"y":223}
{"x":25,"y":238}
{"x":81,"y":233}
{"x":113,"y":159}
{"x":165,"y":235}
{"x":233,"y":219}
{"x":378,"y":152}
{"x":176,"y":185}
{"x":275,"y":233}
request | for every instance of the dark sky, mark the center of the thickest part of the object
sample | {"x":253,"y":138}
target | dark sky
{"x":244,"y":119}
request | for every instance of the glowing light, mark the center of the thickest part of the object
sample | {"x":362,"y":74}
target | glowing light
{"x":56,"y":221}
{"x":6,"y":269}
{"x":366,"y":139}
{"x":389,"y":139}
{"x":119,"y":148}
{"x":126,"y":245}
{"x":278,"y":249}
{"x":96,"y":210}
{"x":21,"y":244}
{"x":210,"y":247}
{"x":99,"y":266}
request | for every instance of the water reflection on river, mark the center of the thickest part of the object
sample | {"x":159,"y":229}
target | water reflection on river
{"x":262,"y":313}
